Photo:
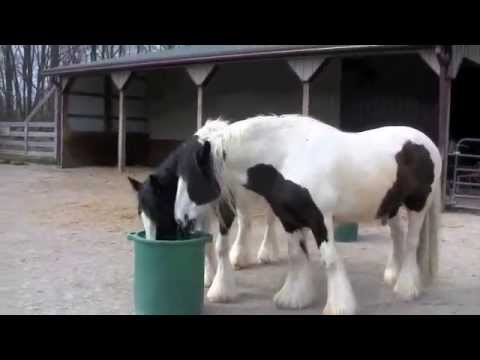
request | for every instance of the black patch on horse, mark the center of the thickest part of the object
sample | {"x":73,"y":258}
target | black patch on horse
{"x":415,"y":176}
{"x":196,"y":168}
{"x":156,"y":196}
{"x":290,"y":202}
{"x":227,"y":217}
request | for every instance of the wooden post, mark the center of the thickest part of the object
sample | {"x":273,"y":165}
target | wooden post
{"x":306,"y":98}
{"x":306,"y":68}
{"x":56,"y":117}
{"x":25,"y":134}
{"x":444,"y":103}
{"x":200,"y":74}
{"x":121,"y":131}
{"x":66,"y":83}
{"x":120,"y":79}
{"x":199,"y":106}
{"x":440,"y":61}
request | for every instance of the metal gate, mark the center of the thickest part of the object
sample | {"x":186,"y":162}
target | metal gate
{"x":465,"y":184}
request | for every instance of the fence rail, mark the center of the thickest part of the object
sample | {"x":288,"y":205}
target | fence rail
{"x":32,"y":139}
{"x":29,"y":139}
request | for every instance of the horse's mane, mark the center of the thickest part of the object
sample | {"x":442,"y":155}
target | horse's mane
{"x":211,"y":127}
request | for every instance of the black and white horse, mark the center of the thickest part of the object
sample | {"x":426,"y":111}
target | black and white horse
{"x":156,"y":199}
{"x":311,"y":175}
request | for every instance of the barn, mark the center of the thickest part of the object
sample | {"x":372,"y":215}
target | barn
{"x":135,"y":110}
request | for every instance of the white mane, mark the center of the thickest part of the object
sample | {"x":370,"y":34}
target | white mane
{"x":211,"y":127}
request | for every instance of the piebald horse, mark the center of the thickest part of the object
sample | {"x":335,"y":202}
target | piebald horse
{"x":312,"y":174}
{"x":156,"y":199}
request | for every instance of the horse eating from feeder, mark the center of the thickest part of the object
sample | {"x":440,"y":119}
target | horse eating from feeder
{"x":156,"y":199}
{"x":312,"y":174}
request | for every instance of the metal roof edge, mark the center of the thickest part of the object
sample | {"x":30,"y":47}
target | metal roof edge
{"x":157,"y":63}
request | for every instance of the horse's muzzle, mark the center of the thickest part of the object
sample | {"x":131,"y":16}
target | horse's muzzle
{"x":186,"y":226}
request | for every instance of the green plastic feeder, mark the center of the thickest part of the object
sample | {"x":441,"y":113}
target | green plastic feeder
{"x":346,"y":232}
{"x":168,"y":274}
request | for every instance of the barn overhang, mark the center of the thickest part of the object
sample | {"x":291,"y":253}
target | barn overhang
{"x":169,"y":58}
{"x":305,"y":61}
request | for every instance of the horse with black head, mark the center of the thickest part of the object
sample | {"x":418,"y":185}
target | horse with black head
{"x":156,"y":200}
{"x":312,"y":174}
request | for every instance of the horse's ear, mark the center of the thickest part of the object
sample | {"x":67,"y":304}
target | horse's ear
{"x":136,"y":185}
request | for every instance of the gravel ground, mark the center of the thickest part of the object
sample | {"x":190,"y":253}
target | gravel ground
{"x":64,"y":251}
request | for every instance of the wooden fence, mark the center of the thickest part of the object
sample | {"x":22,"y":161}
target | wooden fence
{"x":29,"y":139}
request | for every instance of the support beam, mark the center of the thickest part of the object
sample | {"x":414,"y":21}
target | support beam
{"x":120,"y":79}
{"x":200,"y":75}
{"x":122,"y":133}
{"x":63,"y":129}
{"x":444,"y":103}
{"x":199,"y":106}
{"x":57,"y":119}
{"x":431,"y":59}
{"x":306,"y":68}
{"x":306,"y":98}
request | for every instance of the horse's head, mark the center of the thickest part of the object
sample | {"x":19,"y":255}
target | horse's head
{"x":197,"y":184}
{"x":156,"y":199}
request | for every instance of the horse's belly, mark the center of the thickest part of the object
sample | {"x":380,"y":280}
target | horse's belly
{"x":360,"y":203}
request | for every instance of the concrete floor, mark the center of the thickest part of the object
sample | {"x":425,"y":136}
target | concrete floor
{"x":64,"y":251}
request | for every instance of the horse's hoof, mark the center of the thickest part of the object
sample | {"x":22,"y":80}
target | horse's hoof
{"x":408,"y":286}
{"x":296,"y":295}
{"x":339,"y":310}
{"x":390,"y":276}
{"x":223,"y":289}
{"x":285,"y":301}
{"x":220,"y":296}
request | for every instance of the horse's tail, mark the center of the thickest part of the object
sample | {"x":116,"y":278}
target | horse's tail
{"x":428,"y":247}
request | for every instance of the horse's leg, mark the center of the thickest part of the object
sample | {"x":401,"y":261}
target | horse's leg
{"x":298,"y":290}
{"x":223,"y":288}
{"x":408,"y":285}
{"x":340,"y":297}
{"x":269,"y":252}
{"x":210,"y":263}
{"x":239,"y":254}
{"x":208,"y":224}
{"x":395,"y":260}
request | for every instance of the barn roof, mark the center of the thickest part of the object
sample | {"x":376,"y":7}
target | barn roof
{"x":193,"y":54}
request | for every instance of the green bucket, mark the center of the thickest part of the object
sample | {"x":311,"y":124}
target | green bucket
{"x":168,"y":274}
{"x":346,"y":232}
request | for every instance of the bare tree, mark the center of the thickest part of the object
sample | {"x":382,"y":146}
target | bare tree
{"x":22,"y":84}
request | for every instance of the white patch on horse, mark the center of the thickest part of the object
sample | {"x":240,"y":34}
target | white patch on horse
{"x":398,"y":247}
{"x":149,"y":226}
{"x":269,"y":252}
{"x":223,"y":288}
{"x":239,"y":254}
{"x":185,"y":207}
{"x":298,"y":290}
{"x":340,"y":297}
